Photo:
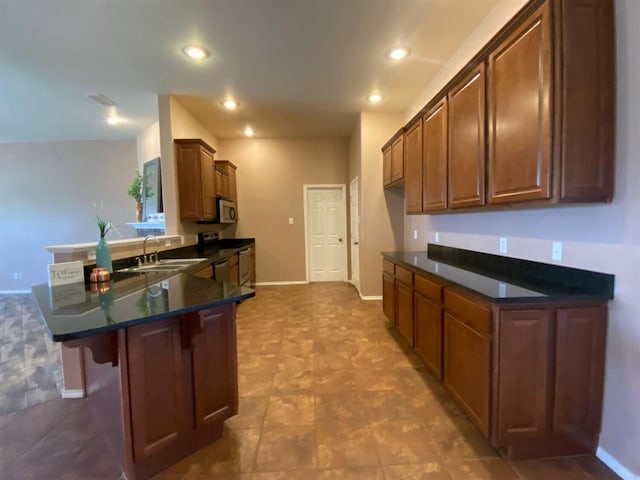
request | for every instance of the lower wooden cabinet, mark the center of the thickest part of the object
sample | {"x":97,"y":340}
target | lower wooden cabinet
{"x":528,"y":375}
{"x":157,"y":396}
{"x":234,"y":270}
{"x":467,"y":369}
{"x":428,"y":333}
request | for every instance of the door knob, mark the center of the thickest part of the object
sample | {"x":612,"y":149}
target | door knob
{"x":340,"y":240}
{"x":356,"y":243}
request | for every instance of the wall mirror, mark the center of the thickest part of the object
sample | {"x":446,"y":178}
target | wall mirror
{"x":153,"y":202}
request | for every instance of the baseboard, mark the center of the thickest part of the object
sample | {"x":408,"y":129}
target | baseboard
{"x":13,"y":292}
{"x":370,"y":297}
{"x":614,"y":465}
{"x":299,"y":282}
{"x":67,"y":393}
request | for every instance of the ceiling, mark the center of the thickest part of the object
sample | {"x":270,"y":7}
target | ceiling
{"x":298,"y":68}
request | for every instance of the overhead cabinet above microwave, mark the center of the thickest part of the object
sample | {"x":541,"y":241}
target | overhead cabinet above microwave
{"x":202,"y":180}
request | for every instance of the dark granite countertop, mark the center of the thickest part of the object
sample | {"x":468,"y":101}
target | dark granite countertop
{"x":504,"y":279}
{"x":81,"y":310}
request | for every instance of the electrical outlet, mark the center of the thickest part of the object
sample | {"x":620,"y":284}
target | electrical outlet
{"x":415,"y":234}
{"x":556,"y":251}
{"x":167,"y":243}
{"x":503,"y":244}
{"x":290,"y":220}
{"x":17,"y":275}
{"x":502,"y":290}
{"x":437,"y":237}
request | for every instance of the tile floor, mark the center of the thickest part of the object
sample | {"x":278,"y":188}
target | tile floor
{"x":326,"y":393}
{"x":30,"y":371}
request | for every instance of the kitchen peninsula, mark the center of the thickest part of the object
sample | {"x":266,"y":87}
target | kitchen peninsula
{"x":160,"y":359}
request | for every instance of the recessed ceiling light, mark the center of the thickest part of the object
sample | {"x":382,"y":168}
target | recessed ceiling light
{"x":197,"y":53}
{"x":113,"y":119}
{"x":229,"y":104}
{"x":374,"y":98}
{"x":248,"y":131}
{"x":397,"y":53}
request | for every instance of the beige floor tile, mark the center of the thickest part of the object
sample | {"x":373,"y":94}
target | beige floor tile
{"x":493,"y":469}
{"x":345,"y":446}
{"x":403,"y":441}
{"x":290,"y":411}
{"x":423,"y":471}
{"x":346,"y":408}
{"x":358,"y":473}
{"x":286,"y":448}
{"x":251,"y":412}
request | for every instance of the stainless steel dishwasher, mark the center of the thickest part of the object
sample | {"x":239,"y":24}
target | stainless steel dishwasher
{"x":243,"y":265}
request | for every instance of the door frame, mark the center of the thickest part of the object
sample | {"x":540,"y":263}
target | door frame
{"x":343,"y":220}
{"x":356,"y":182}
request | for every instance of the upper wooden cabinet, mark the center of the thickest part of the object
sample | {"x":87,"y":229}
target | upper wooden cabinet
{"x":519,"y":100}
{"x":196,"y":179}
{"x":226,"y":180}
{"x":393,"y":160}
{"x":413,"y":167}
{"x":435,"y":158}
{"x":467,"y":140}
{"x":529,"y":120}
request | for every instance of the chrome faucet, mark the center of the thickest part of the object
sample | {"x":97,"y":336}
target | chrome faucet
{"x":145,"y":258}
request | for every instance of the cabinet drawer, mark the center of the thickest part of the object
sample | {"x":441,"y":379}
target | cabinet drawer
{"x":388,"y":267}
{"x":405,"y":276}
{"x":233,"y":260}
{"x":476,"y":316}
{"x":429,"y":289}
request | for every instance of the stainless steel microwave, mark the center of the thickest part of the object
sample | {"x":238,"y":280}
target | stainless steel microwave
{"x":226,"y":211}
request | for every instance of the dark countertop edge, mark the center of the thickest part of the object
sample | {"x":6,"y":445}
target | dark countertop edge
{"x":547,"y":297}
{"x":151,"y":318}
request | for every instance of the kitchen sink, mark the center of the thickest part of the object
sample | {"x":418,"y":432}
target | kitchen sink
{"x":166,"y":265}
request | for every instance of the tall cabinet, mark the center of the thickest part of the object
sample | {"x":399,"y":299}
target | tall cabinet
{"x":196,"y":179}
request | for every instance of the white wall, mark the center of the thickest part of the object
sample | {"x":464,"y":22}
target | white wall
{"x":148,"y":144}
{"x":604,"y":238}
{"x":46,"y":195}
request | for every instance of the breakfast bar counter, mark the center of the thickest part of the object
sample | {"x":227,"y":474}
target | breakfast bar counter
{"x":160,"y":361}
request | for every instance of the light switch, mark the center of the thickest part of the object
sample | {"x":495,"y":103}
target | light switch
{"x":415,"y":234}
{"x":437,"y":237}
{"x":556,"y":251}
{"x":290,"y":220}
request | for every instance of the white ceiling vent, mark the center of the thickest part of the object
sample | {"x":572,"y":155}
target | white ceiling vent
{"x":102,"y":100}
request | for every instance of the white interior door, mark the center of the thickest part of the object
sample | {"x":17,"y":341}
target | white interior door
{"x":354,"y":213}
{"x":326,"y":224}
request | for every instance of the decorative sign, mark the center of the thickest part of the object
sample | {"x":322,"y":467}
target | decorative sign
{"x":65,"y":273}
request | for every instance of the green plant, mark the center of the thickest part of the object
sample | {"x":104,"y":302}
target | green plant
{"x":137,"y":187}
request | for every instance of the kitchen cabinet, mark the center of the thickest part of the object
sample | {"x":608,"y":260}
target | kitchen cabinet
{"x":388,"y":291}
{"x":467,"y":140}
{"x":215,"y":382}
{"x":427,"y":307}
{"x":226,"y":180}
{"x":519,"y":113}
{"x":393,"y":160}
{"x":196,"y":180}
{"x":530,"y":120}
{"x":529,"y":375}
{"x":404,"y":303}
{"x":435,"y":158}
{"x":205,"y":272}
{"x":252,"y":266}
{"x":466,"y":361}
{"x":413,"y":166}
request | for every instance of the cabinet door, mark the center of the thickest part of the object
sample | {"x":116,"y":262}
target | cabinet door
{"x":208,"y":185}
{"x":579,"y":371}
{"x":466,"y":369}
{"x":214,"y":366}
{"x":523,"y":374}
{"x":234,"y":270}
{"x":428,"y":333}
{"x":413,"y":166}
{"x":404,"y":306}
{"x":233,"y":189}
{"x":467,"y":141}
{"x":397,"y":159}
{"x":386,"y":166}
{"x":519,"y":96}
{"x":158,"y":407}
{"x":189,"y":181}
{"x":388,"y":297}
{"x":435,"y":153}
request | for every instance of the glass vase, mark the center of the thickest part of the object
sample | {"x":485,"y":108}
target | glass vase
{"x":103,"y":255}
